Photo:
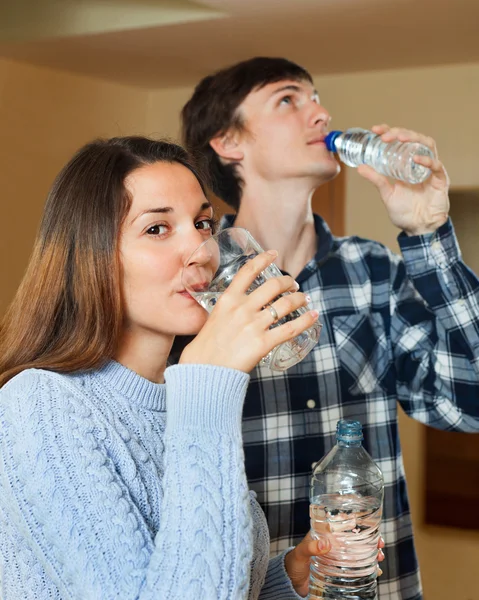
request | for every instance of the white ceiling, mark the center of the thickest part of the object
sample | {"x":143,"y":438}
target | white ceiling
{"x":166,"y":43}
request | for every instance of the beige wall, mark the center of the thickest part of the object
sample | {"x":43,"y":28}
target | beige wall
{"x":44,"y":117}
{"x":162,"y":117}
{"x":442,"y":102}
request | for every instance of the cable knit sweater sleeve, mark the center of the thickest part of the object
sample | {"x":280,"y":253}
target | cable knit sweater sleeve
{"x":62,"y":495}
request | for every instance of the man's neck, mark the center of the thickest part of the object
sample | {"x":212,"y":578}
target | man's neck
{"x":280,"y":217}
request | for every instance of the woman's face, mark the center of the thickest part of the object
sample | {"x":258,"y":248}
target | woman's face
{"x":169,"y":217}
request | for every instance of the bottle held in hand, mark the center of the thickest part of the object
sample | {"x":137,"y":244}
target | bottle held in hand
{"x":395,"y":159}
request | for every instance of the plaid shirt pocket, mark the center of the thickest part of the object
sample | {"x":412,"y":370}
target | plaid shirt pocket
{"x":414,"y":348}
{"x":363,"y":351}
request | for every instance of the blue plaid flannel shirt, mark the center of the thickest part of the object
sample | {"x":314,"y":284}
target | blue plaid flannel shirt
{"x":394,"y":330}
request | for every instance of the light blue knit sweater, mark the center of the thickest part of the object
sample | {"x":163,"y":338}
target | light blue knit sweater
{"x":115,"y":487}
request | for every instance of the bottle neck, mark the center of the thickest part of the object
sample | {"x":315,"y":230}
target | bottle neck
{"x":349,"y":443}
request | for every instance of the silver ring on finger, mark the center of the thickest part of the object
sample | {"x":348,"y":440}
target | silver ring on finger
{"x":274,"y":314}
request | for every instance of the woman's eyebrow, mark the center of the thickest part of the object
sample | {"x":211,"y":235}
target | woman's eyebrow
{"x":167,"y":209}
{"x":205,"y":205}
{"x":158,"y":209}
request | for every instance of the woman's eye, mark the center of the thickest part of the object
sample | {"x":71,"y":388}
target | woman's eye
{"x":206,"y":224}
{"x":157,"y":230}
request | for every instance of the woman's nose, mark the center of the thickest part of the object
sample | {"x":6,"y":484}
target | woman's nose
{"x":197,"y":252}
{"x":200,"y":264}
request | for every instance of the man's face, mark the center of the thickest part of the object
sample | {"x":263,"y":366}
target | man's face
{"x":285,"y":126}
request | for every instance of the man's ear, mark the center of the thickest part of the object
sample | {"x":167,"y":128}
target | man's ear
{"x":227,"y":146}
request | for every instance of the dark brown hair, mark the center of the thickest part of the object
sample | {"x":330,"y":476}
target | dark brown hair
{"x":67,"y":314}
{"x":212,"y":111}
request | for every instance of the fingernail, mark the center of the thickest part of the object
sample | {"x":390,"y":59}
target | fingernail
{"x":380,"y":572}
{"x":322,"y":545}
{"x":296,"y":285}
{"x":314,"y":313}
{"x":272,"y":252}
{"x":308,"y":299}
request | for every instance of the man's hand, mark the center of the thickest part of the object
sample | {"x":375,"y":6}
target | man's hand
{"x":298,"y":560}
{"x":416,"y":209}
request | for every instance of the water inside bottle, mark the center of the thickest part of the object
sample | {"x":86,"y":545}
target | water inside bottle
{"x":349,"y":570}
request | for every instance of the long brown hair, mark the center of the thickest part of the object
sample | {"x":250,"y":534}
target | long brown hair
{"x":67,"y":314}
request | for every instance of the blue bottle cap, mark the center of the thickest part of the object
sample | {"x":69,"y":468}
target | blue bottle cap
{"x":330,"y":139}
{"x":349,"y":431}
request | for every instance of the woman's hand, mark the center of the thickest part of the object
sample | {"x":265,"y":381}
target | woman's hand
{"x":297,"y":562}
{"x":237,"y":334}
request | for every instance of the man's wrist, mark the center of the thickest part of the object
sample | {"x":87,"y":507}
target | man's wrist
{"x":427,"y":229}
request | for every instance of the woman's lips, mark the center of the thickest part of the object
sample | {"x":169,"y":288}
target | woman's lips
{"x":200,"y":287}
{"x":197,"y":287}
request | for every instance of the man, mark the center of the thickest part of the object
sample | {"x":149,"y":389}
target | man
{"x":394,"y":329}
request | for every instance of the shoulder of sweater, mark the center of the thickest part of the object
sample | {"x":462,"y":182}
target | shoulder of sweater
{"x":40,"y":409}
{"x":38,"y":379}
{"x":34,"y":390}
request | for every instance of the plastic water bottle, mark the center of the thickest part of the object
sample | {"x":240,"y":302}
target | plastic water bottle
{"x":395,"y":159}
{"x":346,"y":499}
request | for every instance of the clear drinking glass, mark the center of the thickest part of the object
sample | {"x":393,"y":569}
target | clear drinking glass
{"x":212,"y":267}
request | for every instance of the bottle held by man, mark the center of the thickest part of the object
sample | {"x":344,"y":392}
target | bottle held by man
{"x":395,"y":159}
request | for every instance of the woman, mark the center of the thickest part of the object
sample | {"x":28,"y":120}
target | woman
{"x":114,"y":484}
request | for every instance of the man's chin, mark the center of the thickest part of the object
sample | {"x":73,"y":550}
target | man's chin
{"x":327,"y":172}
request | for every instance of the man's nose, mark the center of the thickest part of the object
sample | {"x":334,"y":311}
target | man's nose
{"x":320,"y":115}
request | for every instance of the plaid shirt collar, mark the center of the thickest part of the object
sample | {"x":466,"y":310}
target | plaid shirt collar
{"x":324,"y":244}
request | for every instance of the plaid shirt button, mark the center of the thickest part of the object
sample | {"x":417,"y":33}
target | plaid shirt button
{"x":311,"y":403}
